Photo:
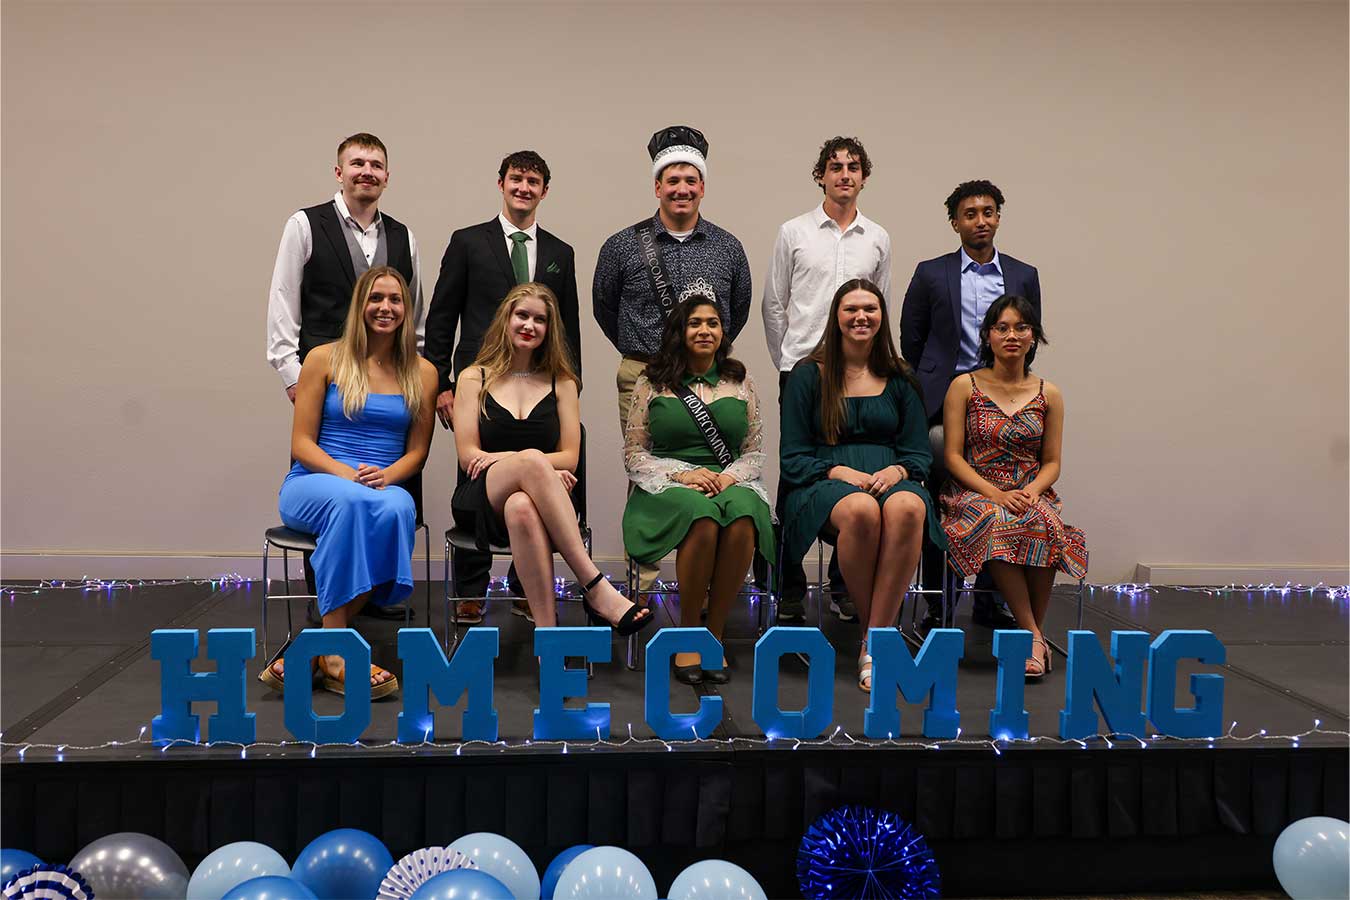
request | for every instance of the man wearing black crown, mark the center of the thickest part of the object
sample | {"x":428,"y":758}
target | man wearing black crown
{"x":324,"y":249}
{"x":643,"y":269}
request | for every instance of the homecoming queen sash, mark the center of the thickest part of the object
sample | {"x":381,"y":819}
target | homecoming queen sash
{"x":703,"y":420}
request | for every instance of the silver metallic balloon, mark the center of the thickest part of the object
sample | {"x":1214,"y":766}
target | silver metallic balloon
{"x":133,"y":866}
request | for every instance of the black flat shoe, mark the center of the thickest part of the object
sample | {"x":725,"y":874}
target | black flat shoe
{"x":632,"y":622}
{"x":386,"y":613}
{"x":689,"y":674}
{"x":717,"y":676}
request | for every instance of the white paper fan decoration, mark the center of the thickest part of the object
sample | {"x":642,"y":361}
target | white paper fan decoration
{"x":408,"y":874}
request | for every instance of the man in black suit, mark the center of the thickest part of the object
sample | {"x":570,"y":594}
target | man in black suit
{"x":940,"y":336}
{"x":481,"y":265}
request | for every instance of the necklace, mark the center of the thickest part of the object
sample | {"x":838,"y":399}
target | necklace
{"x":525,"y":374}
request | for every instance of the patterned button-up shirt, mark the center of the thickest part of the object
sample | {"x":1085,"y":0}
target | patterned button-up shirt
{"x":629,"y":313}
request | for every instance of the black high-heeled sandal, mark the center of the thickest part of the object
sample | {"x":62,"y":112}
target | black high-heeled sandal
{"x":631,"y":623}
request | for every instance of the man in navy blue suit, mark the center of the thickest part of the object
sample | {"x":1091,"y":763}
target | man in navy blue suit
{"x":940,"y":335}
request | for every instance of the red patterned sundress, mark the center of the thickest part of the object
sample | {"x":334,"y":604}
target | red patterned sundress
{"x":1006,"y":451}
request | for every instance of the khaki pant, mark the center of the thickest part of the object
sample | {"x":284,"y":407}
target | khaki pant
{"x":629,"y":370}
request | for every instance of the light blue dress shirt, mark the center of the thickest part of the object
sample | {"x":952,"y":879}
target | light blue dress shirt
{"x":981,"y":285}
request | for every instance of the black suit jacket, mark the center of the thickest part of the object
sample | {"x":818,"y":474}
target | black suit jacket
{"x":475,"y":275}
{"x":930,"y":319}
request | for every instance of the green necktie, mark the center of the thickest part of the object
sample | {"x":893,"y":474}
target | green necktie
{"x":520,"y":260}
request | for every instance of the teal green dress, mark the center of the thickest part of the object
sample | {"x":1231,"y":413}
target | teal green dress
{"x":879,"y":431}
{"x":656,"y":521}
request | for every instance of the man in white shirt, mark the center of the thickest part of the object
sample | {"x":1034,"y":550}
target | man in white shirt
{"x":814,"y":254}
{"x":324,"y":249}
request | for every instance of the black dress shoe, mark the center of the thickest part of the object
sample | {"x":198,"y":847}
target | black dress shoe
{"x":927,"y":624}
{"x":717,"y":676}
{"x":689,"y":674}
{"x":387,"y":613}
{"x":989,"y":617}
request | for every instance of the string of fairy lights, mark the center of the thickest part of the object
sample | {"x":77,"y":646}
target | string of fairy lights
{"x":234,"y":579}
{"x":837,"y":739}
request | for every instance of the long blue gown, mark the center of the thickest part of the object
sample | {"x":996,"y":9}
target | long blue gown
{"x":364,"y":536}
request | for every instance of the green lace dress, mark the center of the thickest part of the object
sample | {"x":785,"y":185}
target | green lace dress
{"x":662,"y":440}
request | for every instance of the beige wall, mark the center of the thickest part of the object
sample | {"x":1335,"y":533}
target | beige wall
{"x":1177,"y":172}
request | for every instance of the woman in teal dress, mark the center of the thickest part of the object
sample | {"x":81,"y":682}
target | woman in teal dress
{"x":854,"y":451}
{"x":683,"y":498}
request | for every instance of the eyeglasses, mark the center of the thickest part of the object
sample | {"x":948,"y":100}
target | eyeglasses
{"x":1022,"y":329}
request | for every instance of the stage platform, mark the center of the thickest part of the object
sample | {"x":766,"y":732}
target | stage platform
{"x":1030,"y":819}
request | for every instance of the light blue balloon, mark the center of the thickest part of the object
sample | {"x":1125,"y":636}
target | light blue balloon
{"x":555,"y":869}
{"x":504,"y":860}
{"x":270,"y":887}
{"x":715,"y":879}
{"x":462,"y":884}
{"x":13,"y":861}
{"x":342,"y":864}
{"x":232,"y":865}
{"x":1312,"y":858}
{"x":608,"y":873}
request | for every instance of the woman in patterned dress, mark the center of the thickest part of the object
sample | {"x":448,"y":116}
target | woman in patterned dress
{"x":1004,"y":427}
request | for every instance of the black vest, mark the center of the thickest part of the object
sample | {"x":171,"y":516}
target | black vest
{"x":326,"y":288}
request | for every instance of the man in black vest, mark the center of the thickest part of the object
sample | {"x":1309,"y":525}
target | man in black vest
{"x":482,"y":263}
{"x":324,"y":249}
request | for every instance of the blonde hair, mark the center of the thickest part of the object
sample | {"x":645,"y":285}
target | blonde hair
{"x":496,"y":352}
{"x":348,"y":360}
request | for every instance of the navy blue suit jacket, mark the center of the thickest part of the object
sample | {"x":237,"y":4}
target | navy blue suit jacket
{"x":930,"y":319}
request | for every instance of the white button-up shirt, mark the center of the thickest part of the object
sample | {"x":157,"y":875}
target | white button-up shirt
{"x":531,"y":246}
{"x":283,"y":299}
{"x":811,"y":258}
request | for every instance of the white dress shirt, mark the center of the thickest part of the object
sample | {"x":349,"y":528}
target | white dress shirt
{"x":531,"y":246}
{"x":283,"y":299}
{"x":811,"y":258}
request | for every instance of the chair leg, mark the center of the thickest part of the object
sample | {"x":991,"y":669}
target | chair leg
{"x":1081,"y":590}
{"x":634,"y":593}
{"x":286,"y":573}
{"x":265,"y":592}
{"x":426,"y":556}
{"x":822,"y":593}
{"x":451,"y":625}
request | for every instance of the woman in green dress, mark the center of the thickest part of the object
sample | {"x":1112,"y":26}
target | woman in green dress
{"x":854,"y":450}
{"x":714,"y":516}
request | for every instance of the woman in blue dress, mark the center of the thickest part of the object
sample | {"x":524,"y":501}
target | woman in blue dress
{"x":854,"y":451}
{"x":363,"y":417}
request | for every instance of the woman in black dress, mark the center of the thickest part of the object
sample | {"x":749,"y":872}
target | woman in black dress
{"x":518,"y":438}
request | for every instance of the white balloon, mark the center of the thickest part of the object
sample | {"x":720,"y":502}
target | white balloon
{"x":504,"y":860}
{"x":715,"y":879}
{"x":606,"y":873}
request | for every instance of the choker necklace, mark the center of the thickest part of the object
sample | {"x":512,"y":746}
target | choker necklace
{"x":525,"y":374}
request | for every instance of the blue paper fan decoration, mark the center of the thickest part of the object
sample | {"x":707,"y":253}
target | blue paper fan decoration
{"x":47,"y":881}
{"x":870,"y":854}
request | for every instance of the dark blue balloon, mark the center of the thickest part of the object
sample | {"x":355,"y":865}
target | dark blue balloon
{"x":869,"y":854}
{"x":342,"y":864}
{"x":13,"y":861}
{"x":555,"y":869}
{"x":269,"y":887}
{"x":462,"y":884}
